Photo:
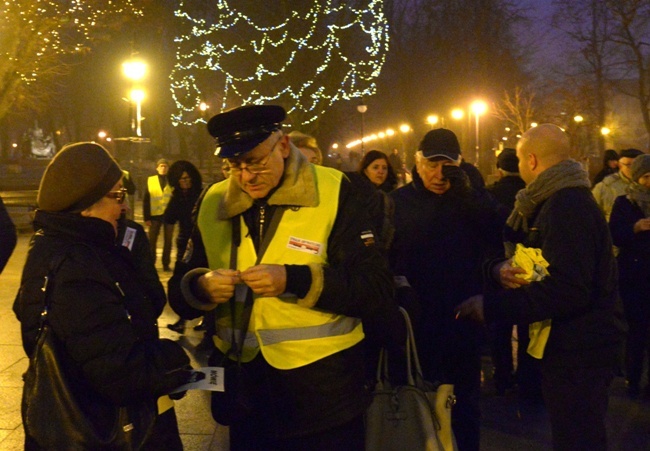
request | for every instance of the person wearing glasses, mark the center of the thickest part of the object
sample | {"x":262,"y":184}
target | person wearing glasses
{"x":304,"y":255}
{"x":616,"y":184}
{"x":98,"y":311}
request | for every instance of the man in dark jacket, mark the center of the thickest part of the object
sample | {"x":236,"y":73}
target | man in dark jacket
{"x":557,"y":214}
{"x":7,"y":236}
{"x":510,"y":183}
{"x":444,"y":229}
{"x":293,"y":239}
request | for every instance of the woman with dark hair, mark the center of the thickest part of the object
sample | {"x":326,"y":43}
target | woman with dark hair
{"x":375,"y":167}
{"x":187,"y":184}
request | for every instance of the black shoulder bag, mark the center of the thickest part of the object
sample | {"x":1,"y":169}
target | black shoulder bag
{"x":236,"y":402}
{"x":60,"y":414}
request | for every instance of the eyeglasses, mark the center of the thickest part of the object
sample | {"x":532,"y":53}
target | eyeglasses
{"x":119,"y":195}
{"x":253,"y":168}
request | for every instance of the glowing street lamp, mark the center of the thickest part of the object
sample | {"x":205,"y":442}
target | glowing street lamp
{"x":432,"y":120}
{"x":605,"y":131}
{"x":478,"y":108}
{"x":135,"y":71}
{"x":457,"y":114}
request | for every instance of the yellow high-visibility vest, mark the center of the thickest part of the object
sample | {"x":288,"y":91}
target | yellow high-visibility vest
{"x":288,"y":335}
{"x":159,"y":197}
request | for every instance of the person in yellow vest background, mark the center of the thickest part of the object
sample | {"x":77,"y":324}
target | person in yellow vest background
{"x":290,"y":243}
{"x":155,"y":200}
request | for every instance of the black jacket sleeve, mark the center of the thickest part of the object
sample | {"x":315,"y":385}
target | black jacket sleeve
{"x":7,"y":236}
{"x":574,"y":240}
{"x":146,"y":204}
{"x":357,"y":281}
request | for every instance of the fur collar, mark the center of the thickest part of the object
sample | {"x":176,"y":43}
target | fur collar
{"x":297,"y":188}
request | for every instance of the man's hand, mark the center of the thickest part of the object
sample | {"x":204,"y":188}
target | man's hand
{"x":219,"y":285}
{"x":471,"y":308}
{"x":506,"y":275}
{"x":642,"y":225}
{"x":266,"y":280}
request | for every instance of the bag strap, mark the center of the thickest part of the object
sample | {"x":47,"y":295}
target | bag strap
{"x":55,"y":264}
{"x":414,"y":375}
{"x":237,"y":346}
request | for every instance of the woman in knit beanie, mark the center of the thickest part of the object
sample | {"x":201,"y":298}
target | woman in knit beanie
{"x":630,"y":227}
{"x":103,"y":323}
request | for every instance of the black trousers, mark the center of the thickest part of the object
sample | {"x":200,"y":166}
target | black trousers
{"x":576,"y":400}
{"x":168,"y":233}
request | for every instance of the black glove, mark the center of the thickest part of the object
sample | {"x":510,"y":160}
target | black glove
{"x":457,"y":178}
{"x":180,"y":377}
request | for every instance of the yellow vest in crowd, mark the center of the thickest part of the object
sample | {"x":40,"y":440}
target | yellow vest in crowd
{"x":159,"y":197}
{"x":288,"y":335}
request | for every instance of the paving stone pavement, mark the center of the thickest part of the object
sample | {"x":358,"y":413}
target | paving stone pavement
{"x":507,"y":424}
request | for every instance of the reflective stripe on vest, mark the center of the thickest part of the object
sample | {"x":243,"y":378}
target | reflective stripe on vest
{"x":288,"y":335}
{"x":343,"y":325}
{"x":158,"y":196}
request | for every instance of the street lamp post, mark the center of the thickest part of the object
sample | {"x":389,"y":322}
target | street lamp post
{"x":137,"y":96}
{"x":362,"y":108}
{"x":135,"y":71}
{"x":478,"y":107}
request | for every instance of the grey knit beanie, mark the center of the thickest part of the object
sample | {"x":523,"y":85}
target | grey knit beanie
{"x":640,"y":166}
{"x":77,"y":177}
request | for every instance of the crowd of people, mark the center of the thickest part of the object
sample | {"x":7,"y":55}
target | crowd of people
{"x":298,"y":271}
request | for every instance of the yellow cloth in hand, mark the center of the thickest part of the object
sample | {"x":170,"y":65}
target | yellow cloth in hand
{"x":164,"y":404}
{"x":535,"y":264}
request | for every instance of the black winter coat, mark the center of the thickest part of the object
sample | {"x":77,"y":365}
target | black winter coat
{"x":634,"y":253}
{"x":580,"y":295}
{"x":98,"y":311}
{"x":440,"y":244}
{"x":179,"y":209}
{"x":7,"y":236}
{"x":506,"y":189}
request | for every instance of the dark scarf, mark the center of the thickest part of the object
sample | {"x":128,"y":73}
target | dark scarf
{"x":640,"y":195}
{"x":566,"y":174}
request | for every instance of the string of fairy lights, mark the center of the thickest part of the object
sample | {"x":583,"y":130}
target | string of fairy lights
{"x":34,"y":31}
{"x":306,"y":61}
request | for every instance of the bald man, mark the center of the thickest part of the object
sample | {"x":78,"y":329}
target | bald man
{"x":557,"y":214}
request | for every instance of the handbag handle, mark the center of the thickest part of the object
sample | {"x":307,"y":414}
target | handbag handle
{"x":55,"y":264}
{"x":414,"y":375}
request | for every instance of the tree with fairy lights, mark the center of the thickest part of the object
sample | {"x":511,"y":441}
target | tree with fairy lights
{"x":39,"y":40}
{"x":303,"y":55}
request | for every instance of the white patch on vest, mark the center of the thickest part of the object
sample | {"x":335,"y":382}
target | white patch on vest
{"x":299,"y":244}
{"x":368,"y":238}
{"x":129,"y":238}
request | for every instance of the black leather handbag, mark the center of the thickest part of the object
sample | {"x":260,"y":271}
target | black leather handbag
{"x":60,"y":414}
